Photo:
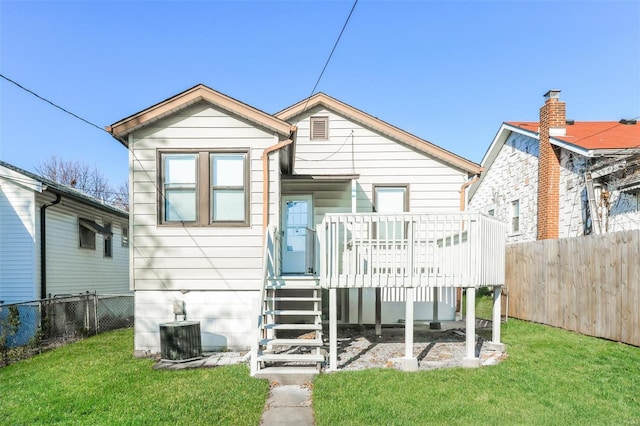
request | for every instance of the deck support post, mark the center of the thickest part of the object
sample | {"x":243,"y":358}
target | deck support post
{"x":470,"y":360}
{"x":333,"y":329}
{"x":378,"y":312}
{"x":409,"y":363}
{"x":435,"y":324}
{"x":360,"y":306}
{"x":496,"y":322}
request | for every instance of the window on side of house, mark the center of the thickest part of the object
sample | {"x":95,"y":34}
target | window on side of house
{"x":87,"y":237}
{"x":125,"y":235}
{"x":391,"y":199}
{"x":319,"y":128}
{"x":87,"y":230}
{"x":515,"y":216}
{"x":204,"y":188}
{"x":491,"y":212}
{"x":108,"y":241}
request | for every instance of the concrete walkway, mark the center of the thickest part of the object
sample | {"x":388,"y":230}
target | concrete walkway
{"x":288,"y":405}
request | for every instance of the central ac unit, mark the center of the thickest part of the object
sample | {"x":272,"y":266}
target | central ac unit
{"x":180,"y":341}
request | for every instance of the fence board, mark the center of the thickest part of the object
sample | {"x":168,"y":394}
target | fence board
{"x":586,"y":284}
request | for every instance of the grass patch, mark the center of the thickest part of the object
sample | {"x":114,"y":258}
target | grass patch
{"x":97,"y":381}
{"x":552,"y":376}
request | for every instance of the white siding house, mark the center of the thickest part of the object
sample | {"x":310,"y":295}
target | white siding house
{"x":597,"y":158}
{"x":229,"y":204}
{"x":72,"y":264}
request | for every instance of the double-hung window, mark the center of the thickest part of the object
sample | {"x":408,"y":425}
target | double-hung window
{"x":228,"y":187}
{"x":204,"y":188}
{"x":179,"y":187}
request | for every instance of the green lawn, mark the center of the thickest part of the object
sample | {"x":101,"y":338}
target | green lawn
{"x":97,"y":382}
{"x":551,"y":377}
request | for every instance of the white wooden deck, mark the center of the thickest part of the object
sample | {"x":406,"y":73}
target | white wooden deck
{"x":406,"y":251}
{"x":411,"y":250}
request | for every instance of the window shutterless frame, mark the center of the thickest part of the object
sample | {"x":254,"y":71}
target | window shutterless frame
{"x":377,"y":207}
{"x":203,"y":188}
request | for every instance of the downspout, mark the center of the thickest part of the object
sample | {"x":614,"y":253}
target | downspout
{"x":43,"y":245}
{"x":463,"y":206}
{"x":265,"y":182}
{"x":463,"y":192}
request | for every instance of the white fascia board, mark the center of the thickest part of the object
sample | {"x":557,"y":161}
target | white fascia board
{"x":492,"y":152}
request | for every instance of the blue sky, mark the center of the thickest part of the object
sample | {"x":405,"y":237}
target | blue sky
{"x":449,"y":72}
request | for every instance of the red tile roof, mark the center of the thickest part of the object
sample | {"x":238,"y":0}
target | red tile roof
{"x":593,"y":135}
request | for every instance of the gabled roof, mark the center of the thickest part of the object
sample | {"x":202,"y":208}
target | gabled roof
{"x":592,"y":135}
{"x":321,"y":99}
{"x":200,"y":93}
{"x":56,"y":188}
{"x":587,"y":138}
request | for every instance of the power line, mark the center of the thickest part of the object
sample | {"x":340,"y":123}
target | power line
{"x":330,"y":54}
{"x":52,"y":103}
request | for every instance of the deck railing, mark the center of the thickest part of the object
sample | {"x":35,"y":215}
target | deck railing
{"x":411,"y":250}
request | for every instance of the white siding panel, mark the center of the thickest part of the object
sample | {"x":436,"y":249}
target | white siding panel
{"x":353,"y":148}
{"x":18,"y":262}
{"x":225,"y":317}
{"x":211,"y":257}
{"x":71,"y":269}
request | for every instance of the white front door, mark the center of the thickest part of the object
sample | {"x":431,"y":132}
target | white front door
{"x":297,"y":222}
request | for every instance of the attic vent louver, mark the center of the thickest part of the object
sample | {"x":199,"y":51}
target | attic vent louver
{"x":319,"y":128}
{"x":627,"y":121}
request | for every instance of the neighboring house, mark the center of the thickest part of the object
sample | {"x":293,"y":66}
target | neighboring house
{"x":561,"y":178}
{"x":55,"y":240}
{"x":227,"y":200}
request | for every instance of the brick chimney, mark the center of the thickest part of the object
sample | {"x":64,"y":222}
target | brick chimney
{"x":552,"y":123}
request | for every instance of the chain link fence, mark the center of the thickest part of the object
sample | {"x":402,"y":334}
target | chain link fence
{"x":30,"y":327}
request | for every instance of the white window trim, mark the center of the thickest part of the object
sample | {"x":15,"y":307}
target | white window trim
{"x":511,"y":216}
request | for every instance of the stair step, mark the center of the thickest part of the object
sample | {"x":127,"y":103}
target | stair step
{"x":292,"y":312}
{"x":292,"y":299}
{"x":289,"y":375}
{"x":293,"y":326}
{"x":291,"y":342}
{"x":291,"y":358}
{"x":279,"y":285}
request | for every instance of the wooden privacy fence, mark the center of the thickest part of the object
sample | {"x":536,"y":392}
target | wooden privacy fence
{"x":590,"y":285}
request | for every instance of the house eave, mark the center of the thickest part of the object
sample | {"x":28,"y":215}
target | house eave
{"x":200,"y":93}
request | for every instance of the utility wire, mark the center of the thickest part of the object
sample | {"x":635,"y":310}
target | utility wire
{"x":330,"y":55}
{"x":52,"y":103}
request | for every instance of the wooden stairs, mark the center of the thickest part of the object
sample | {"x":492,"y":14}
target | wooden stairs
{"x":290,"y":340}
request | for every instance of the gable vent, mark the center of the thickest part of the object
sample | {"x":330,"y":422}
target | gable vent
{"x":319,"y":128}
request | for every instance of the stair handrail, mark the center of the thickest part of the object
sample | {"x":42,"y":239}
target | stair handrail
{"x":268,"y":270}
